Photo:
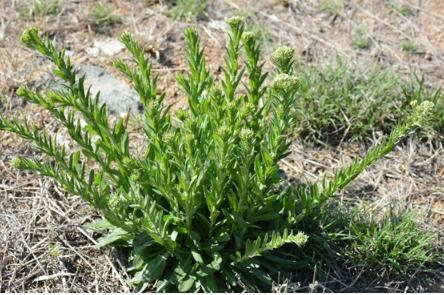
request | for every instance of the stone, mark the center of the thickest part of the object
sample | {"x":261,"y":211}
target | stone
{"x":117,"y":95}
{"x":106,"y":47}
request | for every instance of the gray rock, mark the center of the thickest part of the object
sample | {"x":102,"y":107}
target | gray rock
{"x":107,"y":47}
{"x":117,"y":95}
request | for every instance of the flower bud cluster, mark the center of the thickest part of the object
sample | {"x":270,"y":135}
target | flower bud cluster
{"x":283,"y":56}
{"x":249,"y":38}
{"x":284,"y":83}
{"x":223,"y":132}
{"x":234,"y":22}
{"x":28,"y":36}
{"x":181,"y":114}
{"x":246,"y":134}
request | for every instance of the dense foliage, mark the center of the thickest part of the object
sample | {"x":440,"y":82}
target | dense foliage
{"x":205,"y":207}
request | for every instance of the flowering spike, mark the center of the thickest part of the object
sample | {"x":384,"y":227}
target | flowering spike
{"x":235,"y":22}
{"x":29,"y":36}
{"x":284,"y":83}
{"x":283,"y":58}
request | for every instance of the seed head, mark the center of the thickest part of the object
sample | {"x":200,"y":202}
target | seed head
{"x":284,"y":83}
{"x":247,"y":109}
{"x":249,"y":37}
{"x":283,"y":58}
{"x":18,"y":163}
{"x":246,"y":134}
{"x":235,"y":22}
{"x":425,"y":107}
{"x":135,"y":177}
{"x":283,"y":55}
{"x":223,"y":132}
{"x":22,"y":91}
{"x":168,"y":136}
{"x":300,"y":239}
{"x":231,"y":105}
{"x":181,"y":114}
{"x":29,"y":35}
{"x":421,"y":113}
{"x":152,"y":107}
{"x":152,"y":104}
{"x":126,"y":161}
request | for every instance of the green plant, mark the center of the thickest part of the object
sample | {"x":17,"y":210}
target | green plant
{"x":394,"y":244}
{"x":409,"y":46}
{"x":417,"y":91}
{"x":369,"y":249}
{"x":102,"y":17}
{"x":403,"y":9}
{"x":339,"y":102}
{"x":204,"y":208}
{"x":187,"y":9}
{"x":40,"y":8}
{"x":360,"y":38}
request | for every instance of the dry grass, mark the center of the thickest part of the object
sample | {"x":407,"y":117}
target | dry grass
{"x":43,"y":247}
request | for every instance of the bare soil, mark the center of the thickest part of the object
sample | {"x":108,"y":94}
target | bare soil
{"x":43,"y":247}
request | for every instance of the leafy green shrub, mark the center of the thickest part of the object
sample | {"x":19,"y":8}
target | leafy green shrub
{"x":204,"y":208}
{"x":339,"y":102}
{"x":40,"y":8}
{"x":102,"y":17}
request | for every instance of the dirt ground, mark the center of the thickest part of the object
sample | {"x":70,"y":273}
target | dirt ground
{"x":43,"y":247}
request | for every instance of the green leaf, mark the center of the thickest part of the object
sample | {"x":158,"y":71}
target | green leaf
{"x":141,"y":242}
{"x":174,"y":235}
{"x":100,"y":225}
{"x":152,"y":270}
{"x":210,"y":284}
{"x":197,"y":257}
{"x":186,"y":285}
{"x":270,"y":242}
{"x":116,"y":236}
